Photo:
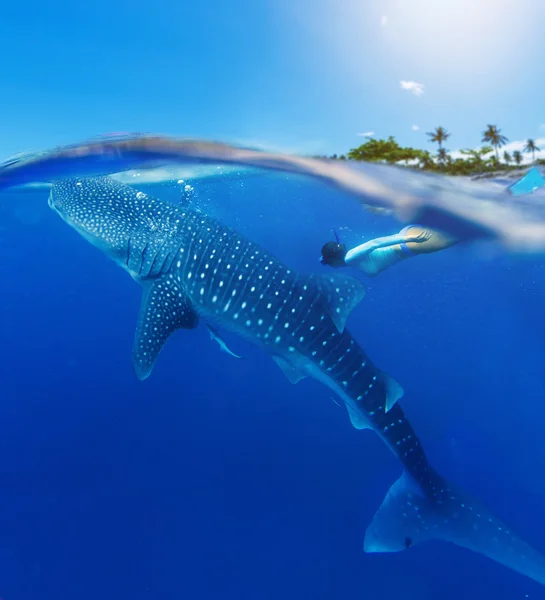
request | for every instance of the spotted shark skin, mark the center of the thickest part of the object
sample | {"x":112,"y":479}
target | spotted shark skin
{"x":192,"y":267}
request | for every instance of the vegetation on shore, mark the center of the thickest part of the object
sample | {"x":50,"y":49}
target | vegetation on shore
{"x":486,"y":159}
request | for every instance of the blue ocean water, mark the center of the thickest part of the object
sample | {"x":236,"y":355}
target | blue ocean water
{"x":217,"y":477}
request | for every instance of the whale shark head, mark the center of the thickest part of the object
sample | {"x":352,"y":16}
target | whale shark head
{"x":103,"y":211}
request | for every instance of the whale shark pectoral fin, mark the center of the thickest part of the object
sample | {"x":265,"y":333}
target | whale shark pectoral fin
{"x":293,"y":374}
{"x":164,"y":309}
{"x":408,"y":517}
{"x":342,"y":293}
{"x":215,"y":335}
{"x":394,"y":391}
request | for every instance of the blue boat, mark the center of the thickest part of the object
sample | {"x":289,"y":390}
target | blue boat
{"x":532,"y":181}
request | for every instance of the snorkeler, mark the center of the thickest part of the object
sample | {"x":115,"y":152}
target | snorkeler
{"x":379,"y":254}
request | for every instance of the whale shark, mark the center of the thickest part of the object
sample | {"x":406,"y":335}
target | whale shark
{"x":193,"y":267}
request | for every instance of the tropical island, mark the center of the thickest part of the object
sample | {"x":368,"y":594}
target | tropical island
{"x":482,"y":161}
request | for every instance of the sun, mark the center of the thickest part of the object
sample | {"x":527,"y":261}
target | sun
{"x":453,"y":35}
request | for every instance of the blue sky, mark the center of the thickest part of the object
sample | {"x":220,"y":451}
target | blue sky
{"x":301,"y":75}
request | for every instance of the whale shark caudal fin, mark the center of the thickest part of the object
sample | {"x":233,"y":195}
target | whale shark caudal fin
{"x":341,"y":293}
{"x":407,"y":517}
{"x":164,"y":309}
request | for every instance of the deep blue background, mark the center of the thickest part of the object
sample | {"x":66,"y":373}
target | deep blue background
{"x":216,"y":478}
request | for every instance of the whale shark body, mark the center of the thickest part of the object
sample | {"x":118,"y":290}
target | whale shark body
{"x":193,"y":267}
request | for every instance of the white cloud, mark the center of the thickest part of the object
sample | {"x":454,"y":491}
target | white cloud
{"x":413,"y":86}
{"x":415,"y":128}
{"x":512,"y":147}
{"x":383,"y":21}
{"x":366,"y":134}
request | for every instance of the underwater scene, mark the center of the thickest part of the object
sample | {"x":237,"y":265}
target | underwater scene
{"x":217,"y":472}
{"x":279,"y":333}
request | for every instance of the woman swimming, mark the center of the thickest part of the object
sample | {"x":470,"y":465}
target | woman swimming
{"x":380,"y":253}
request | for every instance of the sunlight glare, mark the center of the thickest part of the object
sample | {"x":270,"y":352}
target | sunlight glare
{"x":453,"y":34}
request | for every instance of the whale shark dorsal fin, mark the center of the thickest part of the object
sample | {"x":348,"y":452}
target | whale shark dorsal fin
{"x":164,"y":309}
{"x":293,"y":374}
{"x":342,"y":293}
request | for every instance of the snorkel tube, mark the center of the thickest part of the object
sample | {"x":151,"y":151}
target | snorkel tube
{"x":337,"y":238}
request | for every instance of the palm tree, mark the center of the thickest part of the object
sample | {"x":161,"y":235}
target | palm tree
{"x":493,"y":136}
{"x":517,"y":156}
{"x":507,"y":157}
{"x":439,"y":136}
{"x":442,"y":155}
{"x":426,"y":161}
{"x":531,"y":147}
{"x":476,"y":157}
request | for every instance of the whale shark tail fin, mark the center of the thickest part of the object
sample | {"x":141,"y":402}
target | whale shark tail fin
{"x":408,"y":516}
